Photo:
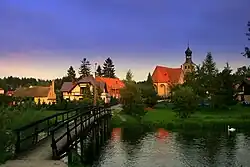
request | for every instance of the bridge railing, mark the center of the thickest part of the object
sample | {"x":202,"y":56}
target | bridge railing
{"x":74,"y":125}
{"x":30,"y":135}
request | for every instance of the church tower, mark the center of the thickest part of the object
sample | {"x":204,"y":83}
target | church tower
{"x":188,"y":65}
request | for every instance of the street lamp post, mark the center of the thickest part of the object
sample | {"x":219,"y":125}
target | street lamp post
{"x":95,"y":96}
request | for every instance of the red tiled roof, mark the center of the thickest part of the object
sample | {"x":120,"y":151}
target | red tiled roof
{"x":165,"y":74}
{"x":112,"y":83}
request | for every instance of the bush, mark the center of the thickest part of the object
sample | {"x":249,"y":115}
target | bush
{"x":185,"y":101}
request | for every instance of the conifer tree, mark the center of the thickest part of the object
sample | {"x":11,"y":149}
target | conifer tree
{"x":71,"y":74}
{"x":99,"y":71}
{"x":129,"y":76}
{"x":108,"y":68}
{"x":84,"y":69}
{"x":209,"y":71}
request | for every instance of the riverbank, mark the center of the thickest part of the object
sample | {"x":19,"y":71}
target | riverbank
{"x":164,"y":117}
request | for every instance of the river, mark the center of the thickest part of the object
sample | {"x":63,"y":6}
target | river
{"x":162,"y":148}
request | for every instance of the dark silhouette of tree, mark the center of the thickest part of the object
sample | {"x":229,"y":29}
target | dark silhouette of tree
{"x":149,"y":79}
{"x":71,"y":74}
{"x":84,"y":69}
{"x":108,"y":68}
{"x":247,"y":50}
{"x":129,"y":76}
{"x":99,"y":71}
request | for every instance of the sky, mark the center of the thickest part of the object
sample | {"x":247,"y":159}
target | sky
{"x":42,"y":38}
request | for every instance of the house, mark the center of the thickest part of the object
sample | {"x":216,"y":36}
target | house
{"x":244,"y":90}
{"x":164,"y":77}
{"x":75,"y":90}
{"x":1,"y":91}
{"x":113,"y":85}
{"x":42,"y":94}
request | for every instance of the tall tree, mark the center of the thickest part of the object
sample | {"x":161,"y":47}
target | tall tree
{"x":247,"y":50}
{"x":99,"y":71}
{"x":129,"y":76}
{"x":149,"y":79}
{"x":108,"y":68}
{"x":84,"y":69}
{"x":225,"y":91}
{"x":209,"y":71}
{"x":71,"y":73}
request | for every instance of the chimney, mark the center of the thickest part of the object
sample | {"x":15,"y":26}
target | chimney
{"x":53,"y":85}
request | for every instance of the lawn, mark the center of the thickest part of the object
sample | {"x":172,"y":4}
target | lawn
{"x":164,"y":117}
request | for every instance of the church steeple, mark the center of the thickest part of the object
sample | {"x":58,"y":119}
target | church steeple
{"x":188,"y":54}
{"x":188,"y":65}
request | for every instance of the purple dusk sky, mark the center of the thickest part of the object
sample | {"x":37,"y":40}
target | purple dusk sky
{"x":42,"y":38}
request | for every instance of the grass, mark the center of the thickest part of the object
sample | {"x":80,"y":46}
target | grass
{"x":163,"y":116}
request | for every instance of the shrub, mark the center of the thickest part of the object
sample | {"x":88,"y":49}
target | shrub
{"x":185,"y":101}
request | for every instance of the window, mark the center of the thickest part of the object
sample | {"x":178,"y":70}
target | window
{"x":185,"y":67}
{"x":80,"y":98}
{"x":83,"y":90}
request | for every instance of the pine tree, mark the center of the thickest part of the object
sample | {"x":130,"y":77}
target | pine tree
{"x":149,"y":79}
{"x":99,"y":71}
{"x":71,"y":74}
{"x":84,"y":69}
{"x":108,"y":68}
{"x":208,"y":72}
{"x":129,"y":76}
{"x":225,"y":91}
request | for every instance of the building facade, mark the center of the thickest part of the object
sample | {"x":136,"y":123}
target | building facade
{"x":164,"y":78}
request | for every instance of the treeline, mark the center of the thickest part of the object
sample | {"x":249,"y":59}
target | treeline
{"x":107,"y":70}
{"x":207,"y":86}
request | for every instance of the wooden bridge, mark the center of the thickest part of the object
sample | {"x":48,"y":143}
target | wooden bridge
{"x":48,"y":140}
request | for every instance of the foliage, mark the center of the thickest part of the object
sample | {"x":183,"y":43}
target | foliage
{"x":247,"y":50}
{"x":84,"y":69}
{"x":99,"y":71}
{"x":132,"y":101}
{"x":108,"y":68}
{"x":11,"y":83}
{"x":225,"y":91}
{"x":129,"y":76}
{"x":71,"y":73}
{"x":185,"y":101}
{"x":148,"y":93}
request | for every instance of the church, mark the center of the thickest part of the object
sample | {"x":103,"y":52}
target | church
{"x":165,"y":77}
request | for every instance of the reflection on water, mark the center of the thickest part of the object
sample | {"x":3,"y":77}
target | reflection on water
{"x":137,"y":148}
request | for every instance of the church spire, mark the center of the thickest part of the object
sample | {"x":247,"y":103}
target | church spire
{"x":188,"y":54}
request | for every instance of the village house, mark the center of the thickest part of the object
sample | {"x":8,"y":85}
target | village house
{"x":113,"y":86}
{"x":42,"y":94}
{"x":164,"y":77}
{"x":75,"y":90}
{"x":108,"y":86}
{"x":244,"y":90}
{"x":1,"y":91}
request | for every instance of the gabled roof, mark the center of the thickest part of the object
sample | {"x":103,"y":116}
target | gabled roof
{"x":165,"y":74}
{"x":68,"y":86}
{"x":36,"y":91}
{"x":112,"y":83}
